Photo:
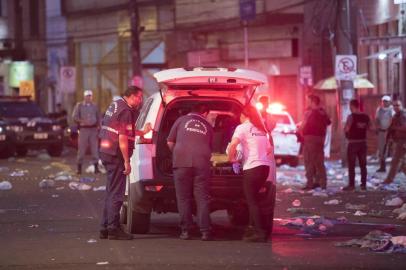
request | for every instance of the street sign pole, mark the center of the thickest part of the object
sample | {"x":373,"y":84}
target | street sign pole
{"x":247,"y":12}
{"x":245,"y":44}
{"x":345,"y":90}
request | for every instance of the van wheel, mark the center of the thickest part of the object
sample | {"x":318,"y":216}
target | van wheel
{"x":138,"y":222}
{"x":7,"y":152}
{"x":55,"y":150}
{"x":21,"y":151}
{"x":123,"y":214}
{"x":238,"y":216}
{"x":293,"y":161}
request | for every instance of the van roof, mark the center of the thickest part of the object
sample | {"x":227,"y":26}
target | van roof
{"x":203,"y":75}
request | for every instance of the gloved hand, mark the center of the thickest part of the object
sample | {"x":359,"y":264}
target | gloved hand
{"x":236,"y":168}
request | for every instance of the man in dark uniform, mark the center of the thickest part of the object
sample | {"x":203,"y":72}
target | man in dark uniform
{"x":190,"y":140}
{"x":313,"y":129}
{"x":269,"y":122}
{"x":356,"y":132}
{"x":117,"y":137}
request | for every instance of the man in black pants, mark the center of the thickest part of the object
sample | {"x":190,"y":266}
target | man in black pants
{"x":117,"y":137}
{"x":356,"y":132}
{"x":190,"y":140}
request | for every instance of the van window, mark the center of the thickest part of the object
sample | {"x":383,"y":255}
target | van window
{"x":143,"y":114}
{"x":281,"y":119}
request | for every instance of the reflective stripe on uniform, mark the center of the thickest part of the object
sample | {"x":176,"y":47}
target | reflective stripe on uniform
{"x":110,"y":129}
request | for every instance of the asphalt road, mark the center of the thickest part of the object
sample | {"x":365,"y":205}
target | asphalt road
{"x":57,"y":228}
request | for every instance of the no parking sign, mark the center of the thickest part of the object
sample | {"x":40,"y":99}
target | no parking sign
{"x":346,"y":67}
{"x":68,"y":79}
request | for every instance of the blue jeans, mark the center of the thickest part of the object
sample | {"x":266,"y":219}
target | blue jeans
{"x":191,"y":182}
{"x":115,"y":191}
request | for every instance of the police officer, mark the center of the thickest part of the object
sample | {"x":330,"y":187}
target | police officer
{"x":270,"y":123}
{"x":313,"y":129}
{"x":383,"y":118}
{"x":397,"y":132}
{"x":356,"y":128}
{"x":86,"y":115}
{"x":117,"y":136}
{"x":190,"y":140}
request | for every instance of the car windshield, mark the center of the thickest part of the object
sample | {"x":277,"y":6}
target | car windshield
{"x":281,"y":119}
{"x":18,"y":109}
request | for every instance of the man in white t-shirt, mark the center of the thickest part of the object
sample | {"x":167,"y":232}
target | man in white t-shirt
{"x":383,"y":119}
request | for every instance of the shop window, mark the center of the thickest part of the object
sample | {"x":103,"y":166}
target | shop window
{"x":148,"y":18}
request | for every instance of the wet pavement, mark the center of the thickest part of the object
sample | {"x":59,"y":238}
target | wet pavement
{"x":55,"y":226}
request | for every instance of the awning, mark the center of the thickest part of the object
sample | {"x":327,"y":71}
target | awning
{"x":331,"y":83}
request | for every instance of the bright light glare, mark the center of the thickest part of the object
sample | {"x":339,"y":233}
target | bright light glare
{"x":275,"y":108}
{"x":259,"y":106}
{"x":382,"y":56}
{"x":148,"y":135}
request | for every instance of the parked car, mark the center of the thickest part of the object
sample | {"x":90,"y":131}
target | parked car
{"x":150,"y":186}
{"x":284,"y":134}
{"x":25,"y":126}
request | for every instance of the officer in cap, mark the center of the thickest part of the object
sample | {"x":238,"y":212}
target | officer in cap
{"x":383,"y":119}
{"x":190,"y":140}
{"x":117,"y":137}
{"x":87,"y":116}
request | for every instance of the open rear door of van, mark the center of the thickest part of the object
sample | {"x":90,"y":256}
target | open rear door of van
{"x":239,"y":84}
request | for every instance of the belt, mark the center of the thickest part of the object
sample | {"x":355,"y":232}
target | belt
{"x":92,"y":126}
{"x":110,"y":129}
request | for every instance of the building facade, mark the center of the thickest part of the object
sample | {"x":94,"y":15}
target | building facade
{"x":22,"y":47}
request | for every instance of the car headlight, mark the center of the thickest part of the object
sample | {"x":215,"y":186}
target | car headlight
{"x":15,"y":128}
{"x":56,"y":128}
{"x":1,"y":129}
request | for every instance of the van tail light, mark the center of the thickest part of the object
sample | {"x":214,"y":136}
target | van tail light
{"x":146,"y":139}
{"x":156,"y":188}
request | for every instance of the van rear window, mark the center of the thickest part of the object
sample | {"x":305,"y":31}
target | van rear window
{"x":143,"y":114}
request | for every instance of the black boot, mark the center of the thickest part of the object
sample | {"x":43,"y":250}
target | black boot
{"x":96,"y":168}
{"x":79,"y":171}
{"x":382,"y":167}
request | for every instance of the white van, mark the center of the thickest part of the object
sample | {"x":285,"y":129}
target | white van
{"x":150,"y":184}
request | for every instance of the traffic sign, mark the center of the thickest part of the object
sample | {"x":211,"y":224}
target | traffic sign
{"x":306,"y":75}
{"x":346,"y":67}
{"x":27,"y":88}
{"x":68,"y":79}
{"x":247,"y":10}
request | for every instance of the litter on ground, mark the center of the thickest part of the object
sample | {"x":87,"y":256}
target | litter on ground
{"x":79,"y":186}
{"x":5,"y":185}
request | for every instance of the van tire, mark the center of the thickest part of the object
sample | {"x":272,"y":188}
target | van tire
{"x":123,"y":214}
{"x":293,"y":161}
{"x":138,"y":223}
{"x":238,"y":216}
{"x":55,"y":150}
{"x":7,"y":151}
{"x":21,"y":151}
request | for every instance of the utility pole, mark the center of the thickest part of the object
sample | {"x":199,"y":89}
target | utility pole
{"x":135,"y":40}
{"x":345,"y":90}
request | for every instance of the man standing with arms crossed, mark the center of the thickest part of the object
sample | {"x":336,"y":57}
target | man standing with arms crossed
{"x":313,"y":129}
{"x":117,"y":137}
{"x":87,"y":117}
{"x":383,"y":118}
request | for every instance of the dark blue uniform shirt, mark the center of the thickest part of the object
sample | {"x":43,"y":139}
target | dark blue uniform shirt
{"x":192,"y":136}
